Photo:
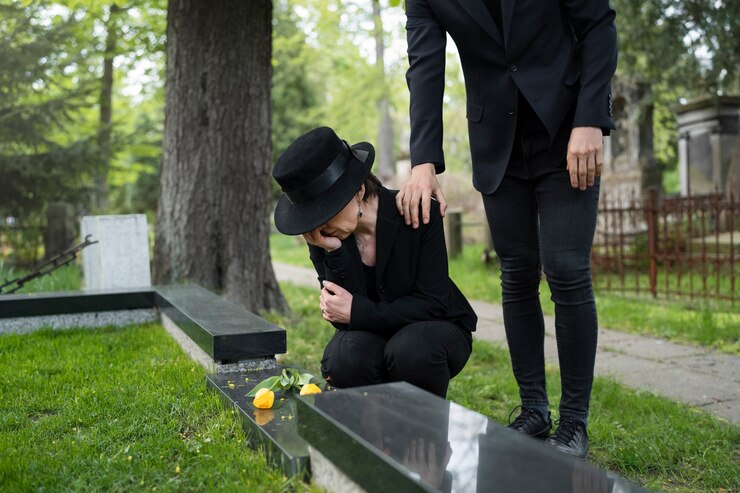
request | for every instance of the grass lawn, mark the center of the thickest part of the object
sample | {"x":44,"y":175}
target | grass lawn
{"x":118,"y":410}
{"x":715,"y":326}
{"x":67,"y":278}
{"x":646,"y":438}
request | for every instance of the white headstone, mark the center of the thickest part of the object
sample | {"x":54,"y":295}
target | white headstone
{"x":120,"y":259}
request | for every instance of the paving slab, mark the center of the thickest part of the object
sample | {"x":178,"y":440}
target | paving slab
{"x":687,"y":386}
{"x":624,"y":367}
{"x":725,"y":366}
{"x":694,"y":375}
{"x":652,"y":348}
{"x":729,"y":410}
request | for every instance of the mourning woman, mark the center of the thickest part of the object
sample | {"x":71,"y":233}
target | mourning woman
{"x":384,"y":286}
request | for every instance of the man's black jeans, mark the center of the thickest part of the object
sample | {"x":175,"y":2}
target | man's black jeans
{"x":540,"y":223}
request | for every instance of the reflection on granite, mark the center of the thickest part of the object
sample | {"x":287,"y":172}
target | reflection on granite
{"x":274,"y":429}
{"x":226,"y":331}
{"x":396,"y":437}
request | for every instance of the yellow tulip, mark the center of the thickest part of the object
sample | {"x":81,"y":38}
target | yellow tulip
{"x":310,"y":388}
{"x":264,"y":398}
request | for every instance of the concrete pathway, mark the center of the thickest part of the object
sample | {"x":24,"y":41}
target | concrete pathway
{"x":694,"y":375}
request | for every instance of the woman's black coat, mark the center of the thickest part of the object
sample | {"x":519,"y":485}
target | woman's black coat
{"x":412,"y":281}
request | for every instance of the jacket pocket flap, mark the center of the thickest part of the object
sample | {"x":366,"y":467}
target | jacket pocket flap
{"x":475,"y":112}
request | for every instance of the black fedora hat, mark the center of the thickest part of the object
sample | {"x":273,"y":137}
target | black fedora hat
{"x":319,"y":173}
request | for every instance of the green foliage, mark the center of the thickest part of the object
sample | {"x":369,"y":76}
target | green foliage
{"x":294,"y":95}
{"x":43,"y":92}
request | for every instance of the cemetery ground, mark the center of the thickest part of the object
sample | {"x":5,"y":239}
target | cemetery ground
{"x":118,"y":409}
{"x":89,"y":399}
{"x":716,"y":325}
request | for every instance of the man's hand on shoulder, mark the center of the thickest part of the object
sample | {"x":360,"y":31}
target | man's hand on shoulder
{"x":420,"y":188}
{"x":585,"y":156}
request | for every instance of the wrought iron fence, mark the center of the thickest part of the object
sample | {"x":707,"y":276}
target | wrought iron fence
{"x":671,"y":247}
{"x":21,"y":242}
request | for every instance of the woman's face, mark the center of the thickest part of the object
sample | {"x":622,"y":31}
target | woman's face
{"x":345,"y":222}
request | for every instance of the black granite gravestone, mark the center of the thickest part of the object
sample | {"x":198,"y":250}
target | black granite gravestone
{"x":273,"y":429}
{"x":396,"y":437}
{"x":224,"y":330}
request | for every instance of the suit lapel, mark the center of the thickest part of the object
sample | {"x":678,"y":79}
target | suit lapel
{"x":478,"y":11}
{"x":386,"y":230}
{"x":507,"y":11}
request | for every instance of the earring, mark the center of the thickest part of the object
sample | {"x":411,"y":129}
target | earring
{"x":359,"y":210}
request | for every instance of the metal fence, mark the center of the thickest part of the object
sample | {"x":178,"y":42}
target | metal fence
{"x":683,"y":247}
{"x":21,"y":243}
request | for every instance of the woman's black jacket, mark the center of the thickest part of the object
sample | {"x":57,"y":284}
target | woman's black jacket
{"x":412,"y":281}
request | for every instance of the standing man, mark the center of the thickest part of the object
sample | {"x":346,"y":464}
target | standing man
{"x":537,"y":77}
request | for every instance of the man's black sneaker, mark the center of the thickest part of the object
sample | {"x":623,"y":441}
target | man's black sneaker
{"x":531,"y":422}
{"x":570,"y":437}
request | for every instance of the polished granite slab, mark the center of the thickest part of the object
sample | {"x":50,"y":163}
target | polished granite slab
{"x":224,"y":330}
{"x":273,"y":430}
{"x":396,"y":437}
{"x":65,"y":302}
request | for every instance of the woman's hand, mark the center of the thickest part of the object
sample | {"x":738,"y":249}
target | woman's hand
{"x":335,"y":303}
{"x":328,"y":243}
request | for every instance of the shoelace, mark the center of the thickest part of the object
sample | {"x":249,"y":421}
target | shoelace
{"x":523,"y":417}
{"x":567,"y":429}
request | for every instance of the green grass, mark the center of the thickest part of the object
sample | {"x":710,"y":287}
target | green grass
{"x":67,"y":278}
{"x":118,"y":410}
{"x":646,"y":438}
{"x":714,"y":326}
{"x":717,"y":327}
{"x":290,"y":250}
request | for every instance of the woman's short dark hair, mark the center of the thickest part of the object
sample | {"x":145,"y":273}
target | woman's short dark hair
{"x":372,"y":186}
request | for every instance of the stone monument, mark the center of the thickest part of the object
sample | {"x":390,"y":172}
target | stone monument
{"x":629,"y":163}
{"x":707,"y":128}
{"x":59,"y":234}
{"x":120,"y":259}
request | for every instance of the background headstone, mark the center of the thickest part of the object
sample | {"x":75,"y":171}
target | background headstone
{"x":629,"y":162}
{"x":59,"y":233}
{"x":707,"y":128}
{"x":121,"y":258}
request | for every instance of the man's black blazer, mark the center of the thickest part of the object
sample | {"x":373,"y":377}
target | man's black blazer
{"x":561,"y":55}
{"x":412,"y":281}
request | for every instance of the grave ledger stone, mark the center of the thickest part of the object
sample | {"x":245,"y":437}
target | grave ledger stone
{"x":396,"y":437}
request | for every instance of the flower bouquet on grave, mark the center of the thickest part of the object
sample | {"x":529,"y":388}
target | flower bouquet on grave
{"x":289,"y":380}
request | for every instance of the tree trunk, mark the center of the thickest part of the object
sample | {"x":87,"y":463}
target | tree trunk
{"x":384,"y":165}
{"x":213,"y":219}
{"x":100,"y":202}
